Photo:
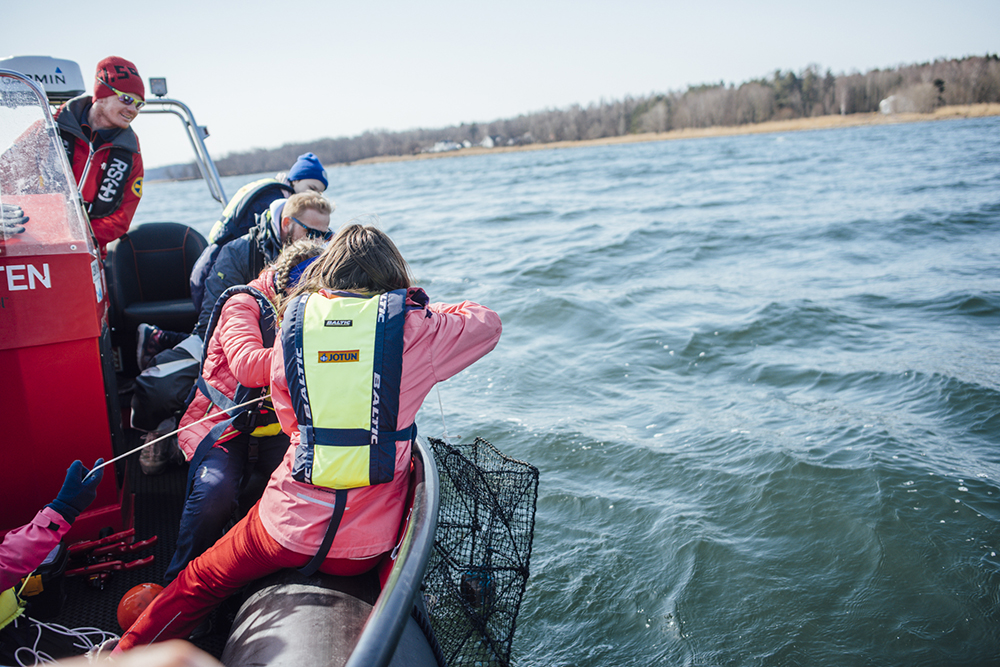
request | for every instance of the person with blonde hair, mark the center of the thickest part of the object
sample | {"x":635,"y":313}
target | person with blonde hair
{"x":360,"y":348}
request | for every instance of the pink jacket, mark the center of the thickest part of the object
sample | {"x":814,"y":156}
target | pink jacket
{"x":236,"y":354}
{"x":25,"y":548}
{"x":437,"y":343}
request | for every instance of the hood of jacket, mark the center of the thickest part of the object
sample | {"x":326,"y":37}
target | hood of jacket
{"x":266,"y":233}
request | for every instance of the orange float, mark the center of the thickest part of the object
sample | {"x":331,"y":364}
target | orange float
{"x":134,"y":602}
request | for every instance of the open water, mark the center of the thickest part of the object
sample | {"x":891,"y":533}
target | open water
{"x":760,"y":376}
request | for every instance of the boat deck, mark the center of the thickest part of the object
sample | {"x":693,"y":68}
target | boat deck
{"x":158,"y":503}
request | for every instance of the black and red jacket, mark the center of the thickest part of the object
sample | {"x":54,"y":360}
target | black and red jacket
{"x":109,"y":177}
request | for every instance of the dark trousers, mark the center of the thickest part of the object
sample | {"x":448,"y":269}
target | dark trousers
{"x":227,"y":482}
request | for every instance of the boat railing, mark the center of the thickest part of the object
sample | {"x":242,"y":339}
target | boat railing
{"x":196,"y":135}
{"x":385,"y":624}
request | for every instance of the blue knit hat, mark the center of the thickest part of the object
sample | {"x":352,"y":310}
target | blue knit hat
{"x":308,"y":166}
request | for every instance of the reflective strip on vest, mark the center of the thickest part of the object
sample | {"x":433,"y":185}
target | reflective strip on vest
{"x":343,"y":359}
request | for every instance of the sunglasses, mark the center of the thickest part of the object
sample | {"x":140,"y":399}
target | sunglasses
{"x":313,"y":233}
{"x":125,"y":98}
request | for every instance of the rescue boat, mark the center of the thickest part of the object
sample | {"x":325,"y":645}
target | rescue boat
{"x":67,"y":323}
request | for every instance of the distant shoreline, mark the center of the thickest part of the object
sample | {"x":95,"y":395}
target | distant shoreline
{"x":793,"y":125}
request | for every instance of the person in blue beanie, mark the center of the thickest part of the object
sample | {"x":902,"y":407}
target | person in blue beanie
{"x":307,"y":174}
{"x":239,"y":216}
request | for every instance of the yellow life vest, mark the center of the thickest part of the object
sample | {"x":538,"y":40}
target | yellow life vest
{"x":343,"y":361}
{"x":238,"y":216}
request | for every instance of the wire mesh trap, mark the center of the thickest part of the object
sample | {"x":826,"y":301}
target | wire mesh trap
{"x":478,"y":569}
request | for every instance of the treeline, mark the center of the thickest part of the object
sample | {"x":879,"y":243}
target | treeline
{"x":784,"y":95}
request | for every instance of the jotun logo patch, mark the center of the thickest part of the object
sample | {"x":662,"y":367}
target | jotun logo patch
{"x":338,"y":357}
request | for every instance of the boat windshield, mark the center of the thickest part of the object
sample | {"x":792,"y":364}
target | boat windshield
{"x":41,"y":210}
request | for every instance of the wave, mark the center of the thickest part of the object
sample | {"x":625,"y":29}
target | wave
{"x":975,"y":305}
{"x":756,"y":374}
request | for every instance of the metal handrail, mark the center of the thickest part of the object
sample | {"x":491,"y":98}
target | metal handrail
{"x":196,"y":135}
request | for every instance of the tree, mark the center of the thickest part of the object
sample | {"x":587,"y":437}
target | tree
{"x":971,"y":80}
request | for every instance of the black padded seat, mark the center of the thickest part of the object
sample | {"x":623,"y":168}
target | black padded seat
{"x":148,"y":271}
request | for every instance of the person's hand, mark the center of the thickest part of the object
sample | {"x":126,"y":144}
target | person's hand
{"x":173,"y":653}
{"x":78,"y":491}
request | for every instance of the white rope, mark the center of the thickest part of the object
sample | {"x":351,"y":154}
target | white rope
{"x":444,"y":426}
{"x":172,"y":433}
{"x":85,"y":638}
{"x":165,"y":627}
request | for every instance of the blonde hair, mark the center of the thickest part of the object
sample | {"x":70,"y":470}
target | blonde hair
{"x":360,"y":258}
{"x":301,"y":201}
{"x":291,"y":256}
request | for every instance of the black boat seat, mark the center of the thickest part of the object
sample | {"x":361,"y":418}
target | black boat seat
{"x":148,"y":271}
{"x":162,"y":313}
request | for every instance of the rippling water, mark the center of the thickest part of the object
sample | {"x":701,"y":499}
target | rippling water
{"x":760,"y":376}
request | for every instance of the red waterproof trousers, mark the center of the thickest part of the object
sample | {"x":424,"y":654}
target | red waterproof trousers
{"x":243,"y":554}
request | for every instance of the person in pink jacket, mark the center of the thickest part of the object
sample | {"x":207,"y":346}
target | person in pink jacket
{"x":24,"y":548}
{"x":222,"y":477}
{"x":285,"y":529}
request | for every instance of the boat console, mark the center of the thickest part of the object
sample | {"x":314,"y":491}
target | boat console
{"x":59,"y":388}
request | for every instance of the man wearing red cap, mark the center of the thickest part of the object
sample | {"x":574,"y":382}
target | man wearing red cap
{"x":103,"y":149}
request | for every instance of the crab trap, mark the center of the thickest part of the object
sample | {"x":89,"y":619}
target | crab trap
{"x":478,"y":569}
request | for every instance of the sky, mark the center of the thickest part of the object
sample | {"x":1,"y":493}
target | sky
{"x":264,"y":74}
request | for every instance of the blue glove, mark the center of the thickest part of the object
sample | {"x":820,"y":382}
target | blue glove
{"x":76,"y":494}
